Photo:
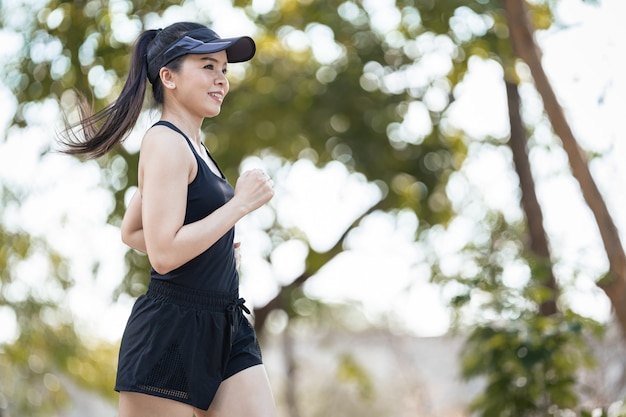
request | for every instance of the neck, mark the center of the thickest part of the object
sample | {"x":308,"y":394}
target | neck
{"x":190,"y":125}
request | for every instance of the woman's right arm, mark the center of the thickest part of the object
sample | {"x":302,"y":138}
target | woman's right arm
{"x":165,"y":168}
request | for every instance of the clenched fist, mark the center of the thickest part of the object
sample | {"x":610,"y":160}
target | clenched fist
{"x":254,"y":188}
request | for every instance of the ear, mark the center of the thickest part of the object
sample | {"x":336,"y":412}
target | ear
{"x":167,"y":78}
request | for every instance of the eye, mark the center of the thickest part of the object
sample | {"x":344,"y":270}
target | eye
{"x":212,"y":67}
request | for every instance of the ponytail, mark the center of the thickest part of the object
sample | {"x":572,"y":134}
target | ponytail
{"x":111,"y":125}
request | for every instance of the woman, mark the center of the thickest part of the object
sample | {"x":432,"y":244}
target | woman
{"x":187,"y":348}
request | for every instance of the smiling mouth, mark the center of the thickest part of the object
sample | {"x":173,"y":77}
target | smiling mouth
{"x":217,"y":96}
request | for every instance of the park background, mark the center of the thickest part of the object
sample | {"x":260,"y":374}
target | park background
{"x":445,"y":235}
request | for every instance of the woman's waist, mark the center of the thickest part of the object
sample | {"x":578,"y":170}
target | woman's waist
{"x":200,"y":298}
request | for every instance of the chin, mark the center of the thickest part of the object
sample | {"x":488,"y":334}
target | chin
{"x":211,"y":114}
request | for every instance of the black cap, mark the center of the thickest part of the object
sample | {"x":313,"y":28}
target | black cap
{"x":202,"y":41}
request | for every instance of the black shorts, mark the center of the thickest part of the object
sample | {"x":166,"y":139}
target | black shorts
{"x":180,"y":344}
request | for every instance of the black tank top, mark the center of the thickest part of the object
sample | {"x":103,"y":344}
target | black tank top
{"x":214,"y":269}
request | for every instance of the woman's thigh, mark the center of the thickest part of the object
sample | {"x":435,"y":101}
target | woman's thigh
{"x":245,"y":394}
{"x":134,"y":404}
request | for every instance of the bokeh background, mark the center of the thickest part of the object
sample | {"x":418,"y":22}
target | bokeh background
{"x":445,"y":239}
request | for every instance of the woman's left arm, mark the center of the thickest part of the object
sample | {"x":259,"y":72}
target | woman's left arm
{"x":132,"y":226}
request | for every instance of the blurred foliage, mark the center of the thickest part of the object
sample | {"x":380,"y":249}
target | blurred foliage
{"x":350,"y":371}
{"x":350,"y":105}
{"x":482,"y":285}
{"x":530,"y":364}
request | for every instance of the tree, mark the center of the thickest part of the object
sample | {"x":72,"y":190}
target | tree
{"x":329,"y":84}
{"x":515,"y":362}
{"x":614,"y":285}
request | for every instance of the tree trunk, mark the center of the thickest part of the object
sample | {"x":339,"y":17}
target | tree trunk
{"x":530,"y":204}
{"x":525,"y":48}
{"x":291,"y":398}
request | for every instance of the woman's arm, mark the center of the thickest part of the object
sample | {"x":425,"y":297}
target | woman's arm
{"x":132,"y":227}
{"x":165,"y":168}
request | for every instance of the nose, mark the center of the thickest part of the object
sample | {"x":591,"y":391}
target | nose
{"x":222,"y":83}
{"x":221,"y":79}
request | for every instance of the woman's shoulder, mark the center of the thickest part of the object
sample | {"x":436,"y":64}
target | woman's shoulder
{"x":164,"y":144}
{"x":159,"y":136}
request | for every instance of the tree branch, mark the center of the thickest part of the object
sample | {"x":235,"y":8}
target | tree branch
{"x":314,"y":262}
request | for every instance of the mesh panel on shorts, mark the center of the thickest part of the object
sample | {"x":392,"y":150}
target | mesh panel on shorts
{"x":168,"y":376}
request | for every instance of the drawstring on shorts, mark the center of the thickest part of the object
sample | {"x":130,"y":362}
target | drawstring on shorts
{"x":231,"y":311}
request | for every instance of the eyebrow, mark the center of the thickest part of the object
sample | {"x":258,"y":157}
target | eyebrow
{"x":209,"y":58}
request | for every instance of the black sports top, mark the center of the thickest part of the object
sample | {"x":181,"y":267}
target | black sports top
{"x":214,"y":269}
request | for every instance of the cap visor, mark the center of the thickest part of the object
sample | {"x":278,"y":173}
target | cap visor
{"x":237,"y":49}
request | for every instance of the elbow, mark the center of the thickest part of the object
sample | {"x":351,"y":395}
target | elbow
{"x":162,"y":269}
{"x":125,"y":237}
{"x":159,"y":268}
{"x":161,"y":264}
{"x":132,"y":240}
{"x":127,"y":234}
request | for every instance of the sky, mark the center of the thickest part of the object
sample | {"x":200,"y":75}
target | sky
{"x":585,"y":62}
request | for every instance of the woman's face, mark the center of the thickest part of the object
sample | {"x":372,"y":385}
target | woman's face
{"x":201,"y":83}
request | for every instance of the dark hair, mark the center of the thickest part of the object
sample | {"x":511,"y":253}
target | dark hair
{"x":111,"y":125}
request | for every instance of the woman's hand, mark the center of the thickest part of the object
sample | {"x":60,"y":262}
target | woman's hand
{"x":254,"y":188}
